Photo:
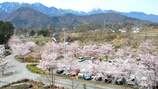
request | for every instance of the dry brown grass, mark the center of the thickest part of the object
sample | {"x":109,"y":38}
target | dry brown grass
{"x":41,"y":40}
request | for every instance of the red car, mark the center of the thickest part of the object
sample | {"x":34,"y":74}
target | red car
{"x":74,"y":72}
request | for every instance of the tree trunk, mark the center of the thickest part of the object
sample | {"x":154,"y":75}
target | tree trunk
{"x":52,"y":79}
{"x":49,"y":76}
{"x":2,"y":72}
{"x":72,"y":83}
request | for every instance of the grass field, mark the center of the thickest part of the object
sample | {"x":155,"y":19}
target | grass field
{"x":39,"y":40}
{"x":99,"y":37}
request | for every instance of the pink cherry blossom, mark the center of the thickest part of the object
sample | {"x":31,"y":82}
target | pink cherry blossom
{"x":74,"y":49}
{"x":4,"y":64}
{"x":14,"y":40}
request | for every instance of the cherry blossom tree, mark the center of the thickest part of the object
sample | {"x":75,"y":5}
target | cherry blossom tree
{"x":49,"y":54}
{"x":149,"y":58}
{"x":30,"y":45}
{"x":14,"y":40}
{"x":53,"y":47}
{"x":89,"y":51}
{"x":102,"y":70}
{"x":146,"y":47}
{"x":21,"y":49}
{"x":4,"y":65}
{"x":106,"y":50}
{"x":74,"y":49}
{"x":107,"y":68}
{"x":92,"y":68}
{"x":68,"y":63}
{"x":124,"y":53}
{"x":126,"y":62}
{"x":145,"y":77}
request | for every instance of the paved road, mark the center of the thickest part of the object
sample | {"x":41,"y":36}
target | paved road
{"x":19,"y":71}
{"x":78,"y":84}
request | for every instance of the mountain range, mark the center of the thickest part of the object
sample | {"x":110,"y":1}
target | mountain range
{"x":24,"y":15}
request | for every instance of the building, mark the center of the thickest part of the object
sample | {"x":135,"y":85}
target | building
{"x":56,"y":39}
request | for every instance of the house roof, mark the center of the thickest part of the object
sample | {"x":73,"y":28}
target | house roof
{"x":56,"y":37}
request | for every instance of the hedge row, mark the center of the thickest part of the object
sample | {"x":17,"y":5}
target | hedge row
{"x":34,"y":69}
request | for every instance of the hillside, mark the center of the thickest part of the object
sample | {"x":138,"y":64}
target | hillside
{"x":26,"y":17}
{"x":110,"y":18}
{"x":9,"y":7}
{"x":2,"y":14}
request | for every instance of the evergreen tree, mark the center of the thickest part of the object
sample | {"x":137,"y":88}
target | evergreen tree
{"x":32,"y":33}
{"x":6,"y":31}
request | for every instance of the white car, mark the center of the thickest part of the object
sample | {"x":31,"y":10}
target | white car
{"x":80,"y":75}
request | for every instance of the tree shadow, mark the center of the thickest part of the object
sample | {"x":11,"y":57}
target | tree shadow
{"x":8,"y":74}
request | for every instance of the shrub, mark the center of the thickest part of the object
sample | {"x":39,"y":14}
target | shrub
{"x":33,"y":68}
{"x":37,"y":42}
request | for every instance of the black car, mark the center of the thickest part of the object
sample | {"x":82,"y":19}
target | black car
{"x":120,"y":81}
{"x":108,"y":79}
{"x":59,"y":71}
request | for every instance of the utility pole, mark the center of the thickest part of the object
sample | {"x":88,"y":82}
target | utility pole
{"x":102,"y":34}
{"x":14,"y":30}
{"x":104,"y":24}
{"x":64,"y":43}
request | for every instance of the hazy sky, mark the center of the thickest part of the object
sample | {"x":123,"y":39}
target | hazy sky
{"x":147,"y":6}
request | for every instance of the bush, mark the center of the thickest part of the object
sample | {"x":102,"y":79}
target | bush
{"x":34,"y":69}
{"x":37,"y":42}
{"x":117,"y":46}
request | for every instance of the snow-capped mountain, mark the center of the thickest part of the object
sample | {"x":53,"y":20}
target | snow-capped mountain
{"x":98,"y":10}
{"x":9,"y":7}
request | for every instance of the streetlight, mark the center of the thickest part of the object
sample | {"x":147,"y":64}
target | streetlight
{"x":14,"y":30}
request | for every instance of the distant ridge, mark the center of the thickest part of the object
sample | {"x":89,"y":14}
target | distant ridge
{"x":26,"y":17}
{"x":8,"y":7}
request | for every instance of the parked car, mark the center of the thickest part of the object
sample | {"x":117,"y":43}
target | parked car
{"x":132,"y":80}
{"x":120,"y":81}
{"x":87,"y":77}
{"x":67,"y":72}
{"x":108,"y":79}
{"x":111,"y":62}
{"x":131,"y":83}
{"x":80,"y":75}
{"x":97,"y":77}
{"x":156,"y":85}
{"x":7,"y":47}
{"x":81,"y":59}
{"x":59,"y":71}
{"x":92,"y":59}
{"x":132,"y":77}
{"x":74,"y":72}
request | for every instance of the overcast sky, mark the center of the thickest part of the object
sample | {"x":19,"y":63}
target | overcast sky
{"x":147,"y":6}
